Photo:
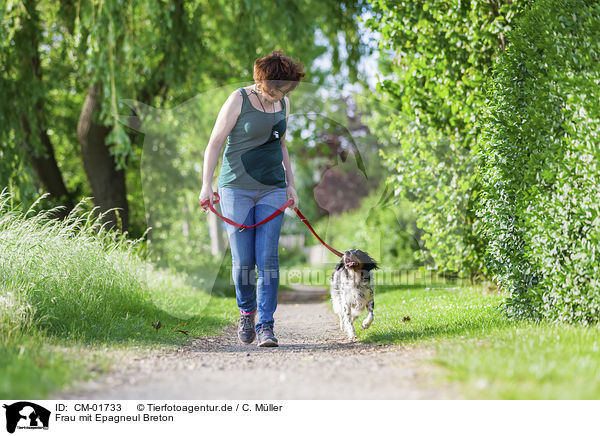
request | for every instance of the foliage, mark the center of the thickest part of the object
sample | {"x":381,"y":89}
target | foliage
{"x":334,"y":155}
{"x":438,"y":181}
{"x":539,"y":168}
{"x":16,"y":76}
{"x":443,"y":55}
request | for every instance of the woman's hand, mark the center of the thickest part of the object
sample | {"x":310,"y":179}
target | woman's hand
{"x":291,"y":195}
{"x":206,"y":194}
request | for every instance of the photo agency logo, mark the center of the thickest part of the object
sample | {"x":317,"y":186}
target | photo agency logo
{"x":24,"y":415}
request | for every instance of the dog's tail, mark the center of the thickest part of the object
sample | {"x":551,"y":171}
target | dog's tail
{"x":369,"y":319}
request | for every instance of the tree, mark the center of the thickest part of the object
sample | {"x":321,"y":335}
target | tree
{"x":27,"y":117}
{"x":159,"y":53}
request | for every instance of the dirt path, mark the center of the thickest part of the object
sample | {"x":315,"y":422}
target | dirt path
{"x":314,"y":361}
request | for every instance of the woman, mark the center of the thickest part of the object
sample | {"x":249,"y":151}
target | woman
{"x":255,"y":180}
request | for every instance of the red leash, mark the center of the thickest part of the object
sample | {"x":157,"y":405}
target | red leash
{"x":305,"y":221}
{"x":267,"y":219}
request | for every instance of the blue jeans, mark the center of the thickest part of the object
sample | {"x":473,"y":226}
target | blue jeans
{"x":257,"y":246}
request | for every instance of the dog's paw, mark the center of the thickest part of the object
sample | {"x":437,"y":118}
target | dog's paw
{"x":367,"y":321}
{"x":351,"y":335}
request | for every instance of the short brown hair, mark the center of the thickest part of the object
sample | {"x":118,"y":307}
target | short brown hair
{"x":277,"y":67}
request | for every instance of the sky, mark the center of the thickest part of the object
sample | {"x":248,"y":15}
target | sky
{"x":368,"y":66}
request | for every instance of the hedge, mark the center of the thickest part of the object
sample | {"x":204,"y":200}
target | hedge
{"x":539,"y":153}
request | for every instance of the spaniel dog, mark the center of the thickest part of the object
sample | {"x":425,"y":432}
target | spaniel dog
{"x":352,"y":290}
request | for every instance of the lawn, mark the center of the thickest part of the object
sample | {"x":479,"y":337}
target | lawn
{"x":486,"y":355}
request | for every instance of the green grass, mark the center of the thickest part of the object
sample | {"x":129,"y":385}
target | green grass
{"x":486,"y":355}
{"x":71,"y":293}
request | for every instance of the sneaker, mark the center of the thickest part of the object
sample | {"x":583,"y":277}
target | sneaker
{"x":245,"y":330}
{"x":266,"y":338}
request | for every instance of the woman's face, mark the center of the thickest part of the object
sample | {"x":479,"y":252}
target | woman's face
{"x":275,"y":93}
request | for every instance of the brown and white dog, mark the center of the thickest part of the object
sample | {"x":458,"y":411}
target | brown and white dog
{"x":352,"y":289}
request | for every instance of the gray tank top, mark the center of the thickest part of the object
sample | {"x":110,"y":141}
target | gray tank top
{"x":253,"y":158}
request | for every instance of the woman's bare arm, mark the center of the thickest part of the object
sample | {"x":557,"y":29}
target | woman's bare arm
{"x":226,"y":119}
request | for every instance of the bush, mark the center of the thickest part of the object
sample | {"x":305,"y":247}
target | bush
{"x":437,"y":179}
{"x":443,"y":54}
{"x":539,"y":164}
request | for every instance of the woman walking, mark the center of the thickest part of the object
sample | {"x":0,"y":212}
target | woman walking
{"x":255,"y":180}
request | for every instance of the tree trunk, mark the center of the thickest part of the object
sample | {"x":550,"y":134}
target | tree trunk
{"x":107,"y":183}
{"x":45,"y":166}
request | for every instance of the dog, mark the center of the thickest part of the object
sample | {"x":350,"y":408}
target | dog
{"x":352,"y":290}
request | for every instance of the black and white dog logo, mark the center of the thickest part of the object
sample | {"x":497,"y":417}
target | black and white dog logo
{"x":26,"y":415}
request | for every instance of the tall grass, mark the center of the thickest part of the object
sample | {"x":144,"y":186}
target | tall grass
{"x":72,"y":277}
{"x":76,"y":282}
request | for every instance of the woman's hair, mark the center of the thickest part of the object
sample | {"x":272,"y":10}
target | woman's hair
{"x":277,"y":67}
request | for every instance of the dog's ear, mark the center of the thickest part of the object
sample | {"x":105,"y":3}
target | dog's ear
{"x":340,"y":265}
{"x":371,"y":265}
{"x":368,"y":263}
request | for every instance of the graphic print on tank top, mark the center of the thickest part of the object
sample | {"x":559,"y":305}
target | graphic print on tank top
{"x":264,"y":162}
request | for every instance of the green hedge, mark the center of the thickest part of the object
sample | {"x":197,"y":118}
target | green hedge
{"x":443,"y":54}
{"x":539,"y":156}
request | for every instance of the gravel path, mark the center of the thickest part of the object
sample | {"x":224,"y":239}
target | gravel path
{"x":314,"y":361}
